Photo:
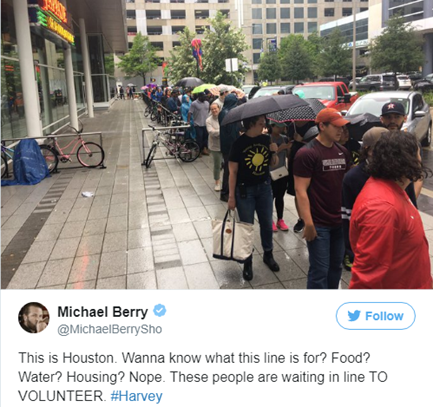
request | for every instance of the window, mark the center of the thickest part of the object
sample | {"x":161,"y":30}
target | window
{"x":155,"y":31}
{"x":131,"y":14}
{"x":270,"y":1}
{"x":176,"y":44}
{"x":271,"y":28}
{"x":200,"y":29}
{"x":178,"y":14}
{"x":363,"y":9}
{"x":285,"y":28}
{"x":298,"y":12}
{"x":312,"y":12}
{"x":284,"y":1}
{"x":257,"y":43}
{"x":225,"y":13}
{"x":312,"y":27}
{"x":256,"y":28}
{"x":271,"y":13}
{"x":256,"y":1}
{"x":132,"y":31}
{"x":158,"y":46}
{"x":284,"y":13}
{"x":201,"y":14}
{"x":257,"y":14}
{"x":256,"y":58}
{"x":329,"y":12}
{"x":153,"y":14}
{"x":177,"y":29}
{"x":299,"y":28}
{"x":329,"y":1}
{"x":298,"y":1}
{"x":346,"y":12}
{"x":418,"y":103}
{"x":312,"y":1}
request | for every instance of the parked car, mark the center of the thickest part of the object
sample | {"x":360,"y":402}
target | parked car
{"x":248,"y":88}
{"x":415,"y":76}
{"x":273,"y":89}
{"x":404,"y":82}
{"x":345,"y":80}
{"x":424,"y":85}
{"x":418,"y":111}
{"x":351,"y":82}
{"x":331,"y":94}
{"x":378,"y":82}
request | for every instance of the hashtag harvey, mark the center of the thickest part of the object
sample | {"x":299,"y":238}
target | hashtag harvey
{"x":117,"y":312}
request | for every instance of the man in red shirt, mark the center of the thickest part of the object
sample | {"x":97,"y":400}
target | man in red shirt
{"x":386,"y":233}
{"x":319,"y":168}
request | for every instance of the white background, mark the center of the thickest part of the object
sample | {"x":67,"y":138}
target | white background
{"x":205,"y":322}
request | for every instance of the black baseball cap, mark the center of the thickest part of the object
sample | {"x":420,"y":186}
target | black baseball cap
{"x":393,"y":108}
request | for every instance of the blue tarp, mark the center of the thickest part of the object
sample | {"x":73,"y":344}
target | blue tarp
{"x":30,"y":166}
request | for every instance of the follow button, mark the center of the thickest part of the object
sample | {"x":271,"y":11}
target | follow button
{"x":375,"y":315}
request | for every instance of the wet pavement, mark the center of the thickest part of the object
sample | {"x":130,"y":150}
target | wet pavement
{"x":141,"y":229}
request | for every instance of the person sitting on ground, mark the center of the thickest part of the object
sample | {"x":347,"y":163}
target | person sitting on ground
{"x":250,"y":188}
{"x":386,"y":231}
{"x":212,"y":126}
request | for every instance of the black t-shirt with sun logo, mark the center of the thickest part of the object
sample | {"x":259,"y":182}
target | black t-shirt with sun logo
{"x":253,"y":156}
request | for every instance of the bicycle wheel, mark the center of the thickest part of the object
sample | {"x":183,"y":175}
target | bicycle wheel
{"x":90,"y":155}
{"x":153,"y":116}
{"x":51,"y":157}
{"x":189,"y":151}
{"x":147,"y":112}
{"x":4,"y":165}
{"x":151,"y":155}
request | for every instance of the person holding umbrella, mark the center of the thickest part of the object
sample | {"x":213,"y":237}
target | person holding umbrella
{"x":249,"y":185}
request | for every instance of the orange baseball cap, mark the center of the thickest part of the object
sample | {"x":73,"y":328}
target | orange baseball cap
{"x":332,"y":116}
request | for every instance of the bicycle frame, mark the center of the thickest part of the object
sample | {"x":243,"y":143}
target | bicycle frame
{"x":7,"y":151}
{"x":79,"y":140}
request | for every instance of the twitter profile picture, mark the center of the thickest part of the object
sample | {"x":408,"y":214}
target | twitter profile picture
{"x":353,"y":316}
{"x":33,"y":317}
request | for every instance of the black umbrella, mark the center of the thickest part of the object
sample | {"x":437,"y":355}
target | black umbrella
{"x":189,"y":82}
{"x":300,"y":113}
{"x":361,"y":123}
{"x":262,"y":106}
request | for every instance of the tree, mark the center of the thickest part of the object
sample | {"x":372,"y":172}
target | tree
{"x":141,"y":59}
{"x":223,"y":41}
{"x":314,"y":47}
{"x":182,"y":63}
{"x":269,"y":67}
{"x":398,"y":48}
{"x":109,"y":64}
{"x":335,"y":58}
{"x":295,"y":59}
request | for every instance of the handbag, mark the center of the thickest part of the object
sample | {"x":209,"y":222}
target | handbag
{"x":279,"y":173}
{"x":232,"y":239}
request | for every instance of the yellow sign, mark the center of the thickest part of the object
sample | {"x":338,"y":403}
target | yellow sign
{"x":60,"y":30}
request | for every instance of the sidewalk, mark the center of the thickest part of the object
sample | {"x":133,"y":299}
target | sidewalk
{"x":143,"y":229}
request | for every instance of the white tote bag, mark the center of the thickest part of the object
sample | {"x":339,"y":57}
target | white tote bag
{"x":232,"y":240}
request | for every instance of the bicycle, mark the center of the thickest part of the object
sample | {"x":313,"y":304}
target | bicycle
{"x":89,"y":154}
{"x":7,"y":154}
{"x":174,"y":141}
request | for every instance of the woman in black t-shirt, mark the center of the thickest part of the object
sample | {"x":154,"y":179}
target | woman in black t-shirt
{"x":250,"y":184}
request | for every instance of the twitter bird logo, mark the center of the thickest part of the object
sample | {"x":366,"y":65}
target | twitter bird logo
{"x":353,"y":316}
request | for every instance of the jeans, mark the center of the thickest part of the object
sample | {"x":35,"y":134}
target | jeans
{"x":260,"y":199}
{"x":225,"y":188}
{"x":202,"y":136}
{"x":326,"y":253}
{"x":216,"y":156}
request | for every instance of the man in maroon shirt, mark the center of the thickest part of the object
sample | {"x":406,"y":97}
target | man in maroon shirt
{"x":319,"y":168}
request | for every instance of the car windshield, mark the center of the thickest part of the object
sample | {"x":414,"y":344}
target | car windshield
{"x":374,"y":105}
{"x":266,"y":91}
{"x":247,"y":88}
{"x":325,"y":92}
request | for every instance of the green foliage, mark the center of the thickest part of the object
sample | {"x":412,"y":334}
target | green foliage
{"x":296,"y":61}
{"x":182,"y":63}
{"x":141,"y":59}
{"x":109,"y":64}
{"x":335,"y":57}
{"x":223,"y":41}
{"x":428,"y":96}
{"x":398,"y":48}
{"x":314,"y":47}
{"x":269,"y":67}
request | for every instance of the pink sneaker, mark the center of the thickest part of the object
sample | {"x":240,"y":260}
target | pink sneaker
{"x":281,"y":224}
{"x":274,"y":227}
